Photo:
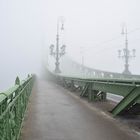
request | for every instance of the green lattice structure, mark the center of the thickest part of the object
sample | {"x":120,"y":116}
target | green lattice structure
{"x":96,"y":89}
{"x":13,"y":104}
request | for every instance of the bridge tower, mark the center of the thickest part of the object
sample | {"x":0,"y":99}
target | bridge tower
{"x":126,"y":54}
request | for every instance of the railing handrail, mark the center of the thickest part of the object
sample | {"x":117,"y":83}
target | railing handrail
{"x":92,"y":72}
{"x":111,"y":80}
{"x":7,"y":93}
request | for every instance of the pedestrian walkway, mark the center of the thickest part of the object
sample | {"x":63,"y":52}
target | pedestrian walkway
{"x":56,"y":114}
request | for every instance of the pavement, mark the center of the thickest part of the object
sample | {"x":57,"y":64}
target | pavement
{"x":54,"y":113}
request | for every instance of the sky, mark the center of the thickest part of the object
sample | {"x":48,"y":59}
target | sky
{"x":92,"y":31}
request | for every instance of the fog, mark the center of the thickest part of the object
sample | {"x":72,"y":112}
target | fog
{"x":28,"y":27}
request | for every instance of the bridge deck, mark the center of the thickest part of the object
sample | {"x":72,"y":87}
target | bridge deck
{"x":56,"y":114}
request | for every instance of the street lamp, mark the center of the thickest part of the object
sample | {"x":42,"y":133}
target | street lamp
{"x":126,"y":54}
{"x":82,"y":56}
{"x":82,"y":60}
{"x":56,"y":51}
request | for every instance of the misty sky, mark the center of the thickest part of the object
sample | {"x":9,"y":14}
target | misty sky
{"x":28,"y":27}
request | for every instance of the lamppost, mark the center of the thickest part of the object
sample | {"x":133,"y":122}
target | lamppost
{"x":82,"y":58}
{"x":126,"y":54}
{"x":58,"y":52}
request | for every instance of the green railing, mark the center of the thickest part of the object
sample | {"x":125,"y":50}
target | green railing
{"x":70,"y":67}
{"x":13,"y":105}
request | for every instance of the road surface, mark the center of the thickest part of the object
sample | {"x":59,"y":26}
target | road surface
{"x":54,"y":113}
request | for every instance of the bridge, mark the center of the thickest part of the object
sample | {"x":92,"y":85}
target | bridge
{"x":64,"y":106}
{"x":69,"y":84}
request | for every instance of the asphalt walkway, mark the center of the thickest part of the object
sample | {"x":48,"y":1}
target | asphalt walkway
{"x":56,"y":114}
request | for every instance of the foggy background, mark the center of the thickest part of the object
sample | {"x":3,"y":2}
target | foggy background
{"x":92,"y":30}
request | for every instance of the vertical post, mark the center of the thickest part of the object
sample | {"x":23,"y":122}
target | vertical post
{"x":103,"y":96}
{"x":72,"y":85}
{"x":90,"y":93}
{"x":58,"y":51}
{"x":82,"y":61}
{"x":57,"y":70}
{"x":17,"y":81}
{"x":126,"y":55}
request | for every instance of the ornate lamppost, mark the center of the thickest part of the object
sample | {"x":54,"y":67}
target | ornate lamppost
{"x":126,"y":54}
{"x":56,"y":51}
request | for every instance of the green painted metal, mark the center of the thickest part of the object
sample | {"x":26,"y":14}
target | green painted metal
{"x":127,"y":102}
{"x":96,"y":88}
{"x":115,"y":88}
{"x":85,"y":90}
{"x":13,"y":104}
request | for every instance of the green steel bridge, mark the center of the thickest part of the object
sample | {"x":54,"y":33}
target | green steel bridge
{"x":95,"y":84}
{"x":91,"y":83}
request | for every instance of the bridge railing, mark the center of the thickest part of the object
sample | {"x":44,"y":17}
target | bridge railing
{"x":95,"y":73}
{"x":77,"y":69}
{"x":13,"y":104}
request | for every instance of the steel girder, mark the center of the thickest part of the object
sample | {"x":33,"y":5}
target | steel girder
{"x":96,"y":89}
